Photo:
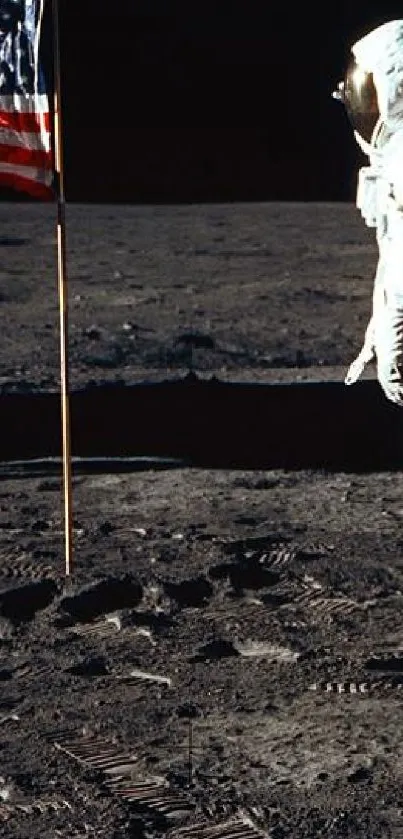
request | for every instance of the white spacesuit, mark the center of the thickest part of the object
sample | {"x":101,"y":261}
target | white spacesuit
{"x":373,"y":95}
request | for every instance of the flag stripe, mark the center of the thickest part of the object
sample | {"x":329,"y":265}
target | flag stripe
{"x":43,"y":175}
{"x":24,"y":120}
{"x":23,"y":140}
{"x":31,"y":184}
{"x":25,"y":104}
{"x":25,"y":156}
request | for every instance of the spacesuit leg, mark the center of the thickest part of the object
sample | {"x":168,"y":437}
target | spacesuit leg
{"x":388,"y":307}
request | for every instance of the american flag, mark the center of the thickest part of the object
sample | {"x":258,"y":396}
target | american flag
{"x":26,"y":160}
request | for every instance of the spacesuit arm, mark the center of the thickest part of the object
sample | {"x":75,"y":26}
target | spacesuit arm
{"x":393,"y":169}
{"x":397,"y":190}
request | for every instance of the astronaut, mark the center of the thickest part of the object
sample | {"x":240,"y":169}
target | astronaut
{"x":372,"y":93}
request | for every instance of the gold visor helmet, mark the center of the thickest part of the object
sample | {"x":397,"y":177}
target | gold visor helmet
{"x":358,"y":94}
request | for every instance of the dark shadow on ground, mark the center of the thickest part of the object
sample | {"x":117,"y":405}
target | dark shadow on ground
{"x":318,"y":425}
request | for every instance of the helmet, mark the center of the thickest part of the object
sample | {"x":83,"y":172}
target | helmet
{"x":358,"y":94}
{"x":372,"y":89}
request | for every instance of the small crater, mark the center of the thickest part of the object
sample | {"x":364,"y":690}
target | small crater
{"x":249,"y":521}
{"x":21,"y":603}
{"x":109,"y":595}
{"x":360,"y":774}
{"x":106,"y":528}
{"x":188,"y":711}
{"x":246,"y":574}
{"x":275,"y":599}
{"x":264,"y":543}
{"x":6,"y":675}
{"x":389,"y":663}
{"x":196,"y":341}
{"x":190,"y":593}
{"x":221,"y":571}
{"x":256,"y":483}
{"x":49,"y":485}
{"x":155,"y":621}
{"x":12,"y":242}
{"x":219,"y":648}
{"x":93,"y":333}
{"x":90,"y":667}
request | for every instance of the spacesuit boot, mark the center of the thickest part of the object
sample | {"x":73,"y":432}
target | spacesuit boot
{"x":373,"y":95}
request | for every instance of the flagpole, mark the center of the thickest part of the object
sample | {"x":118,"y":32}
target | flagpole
{"x":63,"y":294}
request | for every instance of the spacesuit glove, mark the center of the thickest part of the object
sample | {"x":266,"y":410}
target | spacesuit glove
{"x":358,"y":366}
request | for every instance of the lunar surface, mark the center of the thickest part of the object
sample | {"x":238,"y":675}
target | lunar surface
{"x":226,"y":659}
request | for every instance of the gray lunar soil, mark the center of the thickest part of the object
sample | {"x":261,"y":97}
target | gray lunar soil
{"x":226,"y":659}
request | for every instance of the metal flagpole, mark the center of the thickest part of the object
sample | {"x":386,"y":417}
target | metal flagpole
{"x":63,"y":294}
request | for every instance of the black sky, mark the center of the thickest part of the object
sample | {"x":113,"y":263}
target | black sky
{"x":171,"y":101}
